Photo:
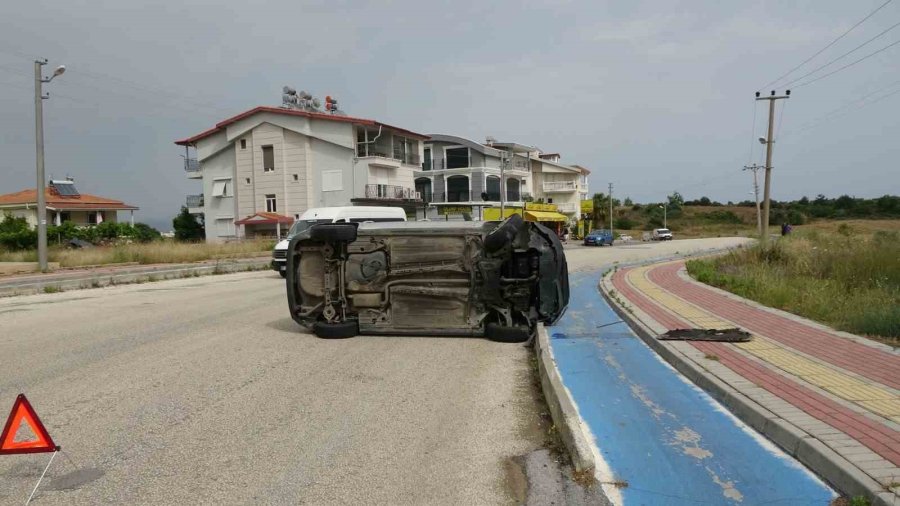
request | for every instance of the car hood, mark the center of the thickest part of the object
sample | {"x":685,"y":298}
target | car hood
{"x":283,"y":244}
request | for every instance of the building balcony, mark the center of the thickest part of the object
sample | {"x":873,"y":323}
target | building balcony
{"x":390,"y":162}
{"x":569,"y":207}
{"x":560,"y":186}
{"x":464,"y":196}
{"x":194,"y":203}
{"x":391,"y":192}
{"x":192,"y":168}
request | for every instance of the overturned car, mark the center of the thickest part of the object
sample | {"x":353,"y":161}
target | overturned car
{"x":493,"y":279}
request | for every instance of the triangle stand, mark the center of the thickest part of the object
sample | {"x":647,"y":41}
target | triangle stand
{"x":38,"y":484}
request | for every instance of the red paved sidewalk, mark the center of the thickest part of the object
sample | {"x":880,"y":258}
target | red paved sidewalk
{"x":839,"y":389}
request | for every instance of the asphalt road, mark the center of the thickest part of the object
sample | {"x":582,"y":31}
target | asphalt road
{"x":204,"y":390}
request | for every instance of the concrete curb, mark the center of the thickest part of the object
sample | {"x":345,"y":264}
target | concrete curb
{"x":138,"y":275}
{"x":572,"y":430}
{"x":836,"y":470}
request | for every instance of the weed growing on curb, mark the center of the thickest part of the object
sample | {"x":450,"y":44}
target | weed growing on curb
{"x":52,"y":289}
{"x":710,"y":356}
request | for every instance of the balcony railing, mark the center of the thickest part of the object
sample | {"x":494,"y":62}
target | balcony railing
{"x":560,"y":186}
{"x":567,"y":207}
{"x":191,"y":165}
{"x":194,"y":201}
{"x":390,"y":192}
{"x":405,"y":159}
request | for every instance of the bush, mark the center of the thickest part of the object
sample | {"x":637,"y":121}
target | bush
{"x":626,"y":224}
{"x":187,"y":228}
{"x":15,"y":234}
{"x":721,"y":217}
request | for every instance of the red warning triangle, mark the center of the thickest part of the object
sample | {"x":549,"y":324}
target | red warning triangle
{"x":23,"y":412}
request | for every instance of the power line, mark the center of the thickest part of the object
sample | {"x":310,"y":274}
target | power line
{"x":841,"y":36}
{"x":820,"y":67}
{"x":835,"y":113}
{"x":866,"y":57}
{"x":752,"y":133}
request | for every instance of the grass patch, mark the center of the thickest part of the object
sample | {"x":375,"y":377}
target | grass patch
{"x":158,"y":252}
{"x":844,"y":276}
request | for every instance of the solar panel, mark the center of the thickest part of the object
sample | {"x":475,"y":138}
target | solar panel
{"x":65,"y":188}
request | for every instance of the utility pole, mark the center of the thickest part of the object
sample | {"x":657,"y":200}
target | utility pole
{"x":39,"y":98}
{"x":768,"y":141}
{"x":503,"y":162}
{"x":611,"y":212}
{"x":755,"y":168}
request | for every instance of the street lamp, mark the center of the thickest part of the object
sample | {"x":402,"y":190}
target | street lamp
{"x":39,"y":98}
{"x":665,"y":223}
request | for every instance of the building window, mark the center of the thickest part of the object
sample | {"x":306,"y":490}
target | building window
{"x":248,"y":180}
{"x":271,"y":205}
{"x":268,"y":159}
{"x":426,"y":163}
{"x":225,"y":227}
{"x":243,"y":143}
{"x":220,"y":188}
{"x":65,"y":216}
{"x":457,"y":158}
{"x":296,"y":177}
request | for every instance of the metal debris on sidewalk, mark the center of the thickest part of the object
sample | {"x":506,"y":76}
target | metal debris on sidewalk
{"x":734,"y":335}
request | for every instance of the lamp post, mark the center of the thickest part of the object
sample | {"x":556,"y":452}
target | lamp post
{"x":665,"y":222}
{"x":39,"y":98}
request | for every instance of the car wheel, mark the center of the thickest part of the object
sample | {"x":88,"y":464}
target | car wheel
{"x":283,"y":274}
{"x":333,"y":232}
{"x":341,"y":330}
{"x":503,"y":334}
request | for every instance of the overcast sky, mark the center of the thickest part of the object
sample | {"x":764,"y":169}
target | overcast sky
{"x":651,"y":96}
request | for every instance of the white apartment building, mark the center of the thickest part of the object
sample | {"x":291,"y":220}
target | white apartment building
{"x":263,"y":168}
{"x":563,"y":185}
{"x":458,"y":173}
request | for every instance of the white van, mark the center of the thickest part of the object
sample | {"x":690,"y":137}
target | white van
{"x":317,"y":215}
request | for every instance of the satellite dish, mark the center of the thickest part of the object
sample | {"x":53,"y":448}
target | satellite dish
{"x":305,"y":96}
{"x":316,"y":103}
{"x":287,"y":90}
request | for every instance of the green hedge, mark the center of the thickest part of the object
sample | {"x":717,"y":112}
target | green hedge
{"x":15,"y":234}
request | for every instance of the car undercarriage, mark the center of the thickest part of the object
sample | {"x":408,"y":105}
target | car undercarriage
{"x":494,"y":279}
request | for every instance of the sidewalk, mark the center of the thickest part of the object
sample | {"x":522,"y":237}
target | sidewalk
{"x":829,"y":398}
{"x":73,"y":279}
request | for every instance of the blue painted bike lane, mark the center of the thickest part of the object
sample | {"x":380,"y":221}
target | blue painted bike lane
{"x":666,"y":440}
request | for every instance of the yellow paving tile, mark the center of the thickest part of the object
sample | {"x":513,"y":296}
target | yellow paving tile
{"x":861,"y":392}
{"x":890,"y":407}
{"x":872,"y":397}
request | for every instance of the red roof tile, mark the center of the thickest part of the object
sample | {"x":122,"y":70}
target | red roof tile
{"x":293,"y":112}
{"x":54,"y":200}
{"x":264,"y":218}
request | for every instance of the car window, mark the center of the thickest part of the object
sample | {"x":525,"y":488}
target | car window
{"x":302,"y":225}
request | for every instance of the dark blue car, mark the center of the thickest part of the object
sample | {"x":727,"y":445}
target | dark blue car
{"x":598,"y":238}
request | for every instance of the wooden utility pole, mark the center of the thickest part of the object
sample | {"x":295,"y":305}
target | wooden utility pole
{"x":755,"y":168}
{"x":768,"y":141}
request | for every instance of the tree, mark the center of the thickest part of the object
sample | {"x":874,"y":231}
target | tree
{"x":187,"y":227}
{"x":675,"y":201}
{"x":628,"y":202}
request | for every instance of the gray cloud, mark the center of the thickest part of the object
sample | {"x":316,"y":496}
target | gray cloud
{"x":653,"y":96}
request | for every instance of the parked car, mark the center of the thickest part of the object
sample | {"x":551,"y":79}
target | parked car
{"x":317,"y":215}
{"x":598,"y":238}
{"x":626,"y":238}
{"x":463,"y":278}
{"x":662,"y":234}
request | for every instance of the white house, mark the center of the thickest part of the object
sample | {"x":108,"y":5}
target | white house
{"x":263,"y":168}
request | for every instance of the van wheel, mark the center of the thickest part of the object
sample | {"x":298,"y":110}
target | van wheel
{"x":504,"y":334}
{"x":333,"y":232}
{"x":283,"y":274}
{"x":341,"y":330}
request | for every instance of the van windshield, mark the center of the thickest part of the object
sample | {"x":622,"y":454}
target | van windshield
{"x":663,"y":231}
{"x":302,"y":225}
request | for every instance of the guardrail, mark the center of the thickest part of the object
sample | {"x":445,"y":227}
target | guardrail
{"x":194,"y":201}
{"x":550,"y":186}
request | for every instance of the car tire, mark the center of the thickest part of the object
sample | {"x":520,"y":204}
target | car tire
{"x":504,"y":334}
{"x":283,"y":274}
{"x":333,"y":232}
{"x":341,"y":330}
